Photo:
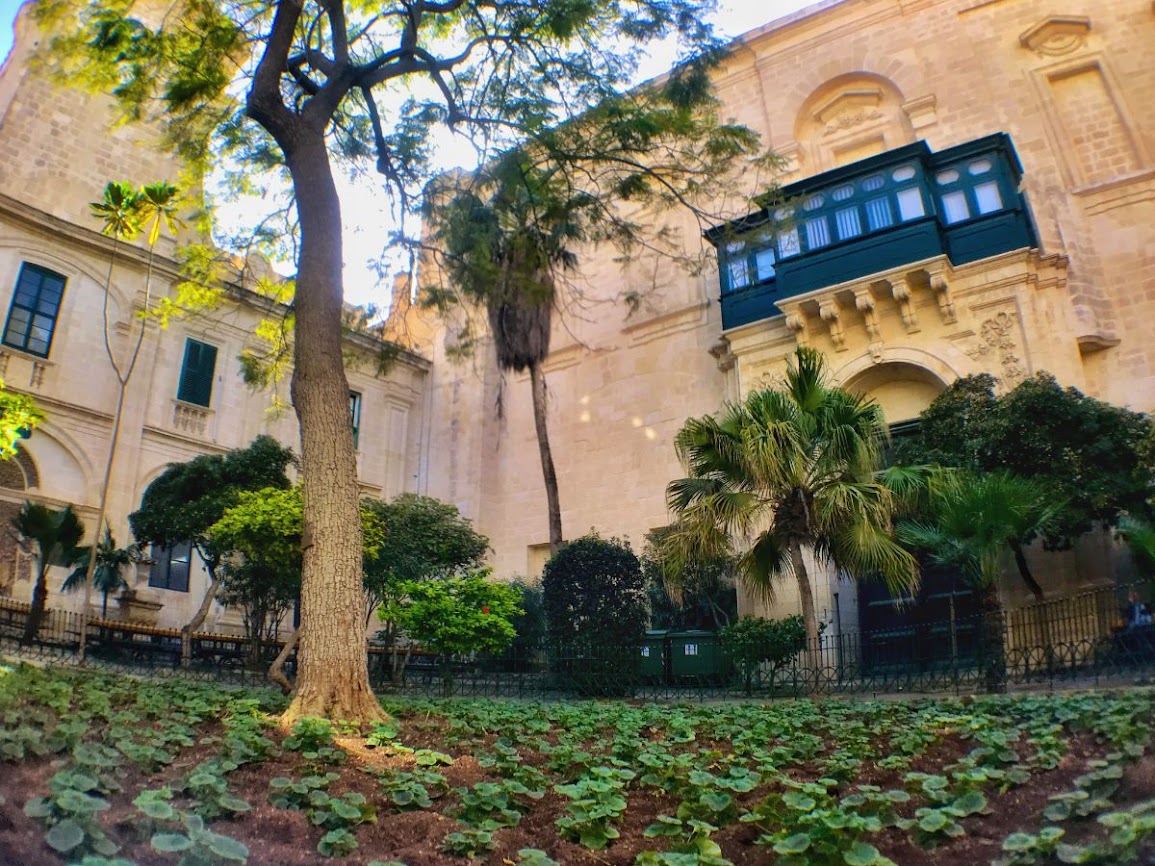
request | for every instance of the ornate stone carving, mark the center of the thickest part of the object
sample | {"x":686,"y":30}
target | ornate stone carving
{"x":830,"y":311}
{"x":864,"y":300}
{"x":941,"y":289}
{"x":796,"y":323}
{"x":1057,"y":35}
{"x":997,"y":338}
{"x":850,"y":120}
{"x":904,"y":294}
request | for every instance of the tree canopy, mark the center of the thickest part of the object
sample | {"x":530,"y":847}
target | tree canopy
{"x":18,"y":415}
{"x":287,"y":89}
{"x":184,"y":502}
{"x":1088,"y":452}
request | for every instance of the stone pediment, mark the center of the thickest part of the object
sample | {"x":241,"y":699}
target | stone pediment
{"x":1056,"y":35}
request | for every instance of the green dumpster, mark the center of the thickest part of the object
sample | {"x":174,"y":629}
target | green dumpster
{"x":697,"y":655}
{"x":653,"y":652}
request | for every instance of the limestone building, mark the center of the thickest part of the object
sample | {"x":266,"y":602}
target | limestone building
{"x":187,"y":396}
{"x":970,"y":187}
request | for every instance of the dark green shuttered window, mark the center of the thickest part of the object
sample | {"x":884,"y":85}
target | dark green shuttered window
{"x":196,"y":374}
{"x":35,"y":305}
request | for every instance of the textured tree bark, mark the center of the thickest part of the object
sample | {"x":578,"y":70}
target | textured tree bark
{"x":1025,"y":571}
{"x":993,"y":652}
{"x":333,"y":677}
{"x":198,"y":620}
{"x":806,"y":594}
{"x":549,"y":473}
{"x":39,"y":602}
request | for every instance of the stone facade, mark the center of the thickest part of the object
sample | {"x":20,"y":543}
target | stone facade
{"x":58,"y":149}
{"x":1074,"y":87}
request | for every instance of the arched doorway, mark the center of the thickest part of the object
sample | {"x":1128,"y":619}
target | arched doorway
{"x":939,"y":623}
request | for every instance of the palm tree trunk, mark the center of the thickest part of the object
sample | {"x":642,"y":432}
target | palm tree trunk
{"x":90,"y":570}
{"x":549,"y":474}
{"x":39,"y":601}
{"x":805,"y":595}
{"x":1025,"y":571}
{"x":993,"y":652}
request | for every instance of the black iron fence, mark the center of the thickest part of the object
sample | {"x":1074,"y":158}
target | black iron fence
{"x":1085,"y":639}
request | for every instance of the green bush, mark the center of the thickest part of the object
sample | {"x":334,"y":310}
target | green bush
{"x":753,"y":641}
{"x":594,"y":597}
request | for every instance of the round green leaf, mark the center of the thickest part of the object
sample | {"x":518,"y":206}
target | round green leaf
{"x":933,"y":821}
{"x":65,"y":836}
{"x":861,"y":854}
{"x":228,"y":848}
{"x":796,"y":844}
{"x":970,"y":803}
{"x":168,"y":843}
{"x":1019,"y":842}
{"x":798,"y":801}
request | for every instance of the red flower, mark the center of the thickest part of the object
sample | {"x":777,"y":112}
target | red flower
{"x":485,"y":609}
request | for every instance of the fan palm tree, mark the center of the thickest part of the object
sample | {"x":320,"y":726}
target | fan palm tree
{"x":56,"y":535}
{"x":108,"y":576}
{"x":504,"y":245}
{"x":973,"y":520}
{"x":790,"y":469}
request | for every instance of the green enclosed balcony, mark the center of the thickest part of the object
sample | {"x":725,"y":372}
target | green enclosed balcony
{"x":902,"y":206}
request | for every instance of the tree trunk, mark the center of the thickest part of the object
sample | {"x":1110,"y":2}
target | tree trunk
{"x":1025,"y":571}
{"x":39,"y":602}
{"x":198,"y":620}
{"x":993,"y":652}
{"x":333,"y":676}
{"x":277,"y":668}
{"x":102,"y":510}
{"x":549,"y":474}
{"x":806,"y":595}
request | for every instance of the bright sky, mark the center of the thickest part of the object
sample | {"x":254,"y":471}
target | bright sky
{"x":366,"y":211}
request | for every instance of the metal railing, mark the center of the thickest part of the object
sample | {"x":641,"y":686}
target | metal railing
{"x":1080,"y":640}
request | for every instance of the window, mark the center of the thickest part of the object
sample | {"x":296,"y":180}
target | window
{"x":764,"y":262}
{"x":848,"y":223}
{"x":196,"y":373}
{"x":170,"y":567}
{"x":910,"y":203}
{"x":35,"y":305}
{"x":691,"y":649}
{"x":355,"y":415}
{"x":817,"y":233}
{"x":987,"y":197}
{"x":954,"y":207}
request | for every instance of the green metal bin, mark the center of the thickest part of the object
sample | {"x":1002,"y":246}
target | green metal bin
{"x":697,"y":655}
{"x":653,"y":652}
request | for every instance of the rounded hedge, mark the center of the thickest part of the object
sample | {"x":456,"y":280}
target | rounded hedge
{"x":593,"y":591}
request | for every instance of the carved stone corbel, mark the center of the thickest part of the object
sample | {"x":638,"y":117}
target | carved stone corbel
{"x":941,"y":289}
{"x":864,"y":301}
{"x":830,"y":311}
{"x":796,"y":324}
{"x":904,"y":294}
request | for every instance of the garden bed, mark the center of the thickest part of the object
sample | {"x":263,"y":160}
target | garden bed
{"x":101,"y":770}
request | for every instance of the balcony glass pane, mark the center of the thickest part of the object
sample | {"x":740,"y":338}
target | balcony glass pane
{"x":842,"y":193}
{"x":788,"y":244}
{"x":906,"y":172}
{"x":817,"y":233}
{"x":874,"y":182}
{"x":954,"y":207}
{"x":948,"y":176}
{"x":910,"y":203}
{"x":979,"y":166}
{"x":849,"y":225}
{"x":987,"y":197}
{"x":878,"y":215}
{"x":814,"y":202}
{"x":739,"y":274}
{"x":764,"y":261}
